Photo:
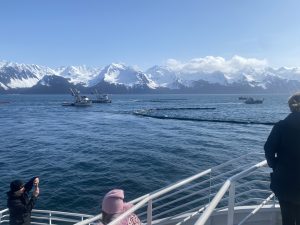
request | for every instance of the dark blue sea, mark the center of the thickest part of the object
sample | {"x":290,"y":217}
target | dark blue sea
{"x":139,"y":143}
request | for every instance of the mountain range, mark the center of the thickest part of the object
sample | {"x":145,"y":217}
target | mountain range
{"x":204,"y":75}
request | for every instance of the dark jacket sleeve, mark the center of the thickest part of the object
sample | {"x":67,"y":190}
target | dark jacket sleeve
{"x":17,"y":207}
{"x":272,"y":146}
{"x":28,"y":186}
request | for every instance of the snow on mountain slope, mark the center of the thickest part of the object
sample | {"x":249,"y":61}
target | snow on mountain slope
{"x":22,"y":83}
{"x":14,"y":75}
{"x":286,"y":73}
{"x":78,"y":74}
{"x":121,"y":74}
{"x":162,"y":76}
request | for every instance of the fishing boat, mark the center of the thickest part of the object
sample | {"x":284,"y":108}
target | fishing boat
{"x":101,"y":98}
{"x":231,"y":193}
{"x":78,"y":99}
{"x":251,"y":100}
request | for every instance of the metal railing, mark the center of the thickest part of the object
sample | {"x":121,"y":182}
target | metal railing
{"x":229,"y":185}
{"x":193,"y":195}
{"x":45,"y":217}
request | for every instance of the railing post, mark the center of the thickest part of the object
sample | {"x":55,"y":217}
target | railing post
{"x":149,"y":212}
{"x":0,"y":217}
{"x":50,"y":218}
{"x":274,"y":201}
{"x":231,"y":201}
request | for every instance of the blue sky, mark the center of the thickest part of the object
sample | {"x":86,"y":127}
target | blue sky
{"x":148,"y":32}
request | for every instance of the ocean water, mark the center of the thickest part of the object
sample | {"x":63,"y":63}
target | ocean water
{"x":139,"y":143}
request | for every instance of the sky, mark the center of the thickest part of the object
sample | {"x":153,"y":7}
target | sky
{"x":144,"y":33}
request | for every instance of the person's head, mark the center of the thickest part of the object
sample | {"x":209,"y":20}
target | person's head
{"x":17,"y":187}
{"x":113,"y":202}
{"x":113,"y":205}
{"x":294,"y":102}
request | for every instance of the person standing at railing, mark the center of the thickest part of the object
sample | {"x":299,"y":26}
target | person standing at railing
{"x":282,"y":151}
{"x":113,"y":205}
{"x":19,"y":203}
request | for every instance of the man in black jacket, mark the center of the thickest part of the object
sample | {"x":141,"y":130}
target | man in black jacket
{"x":19,"y":203}
{"x":282,"y":151}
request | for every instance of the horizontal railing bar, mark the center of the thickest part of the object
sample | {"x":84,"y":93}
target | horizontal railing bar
{"x":56,"y":219}
{"x":250,"y":170}
{"x":4,"y":216}
{"x":40,"y":217}
{"x":3,"y":211}
{"x":42,"y":223}
{"x":61,"y":213}
{"x":65,"y":220}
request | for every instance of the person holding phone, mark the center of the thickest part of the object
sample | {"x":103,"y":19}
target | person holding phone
{"x":19,"y":203}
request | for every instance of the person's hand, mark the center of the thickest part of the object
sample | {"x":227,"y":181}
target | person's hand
{"x":36,"y":191}
{"x":36,"y":181}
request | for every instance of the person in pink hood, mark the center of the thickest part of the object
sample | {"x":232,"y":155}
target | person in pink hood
{"x":113,"y":205}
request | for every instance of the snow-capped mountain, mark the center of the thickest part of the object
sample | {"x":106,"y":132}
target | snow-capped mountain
{"x":120,"y":74}
{"x":163,"y":77}
{"x":78,"y":74}
{"x":14,"y":75}
{"x":209,"y":74}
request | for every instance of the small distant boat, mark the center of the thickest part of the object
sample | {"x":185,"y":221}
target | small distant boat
{"x":101,"y":98}
{"x":243,"y":98}
{"x":79,"y":100}
{"x":251,"y":100}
